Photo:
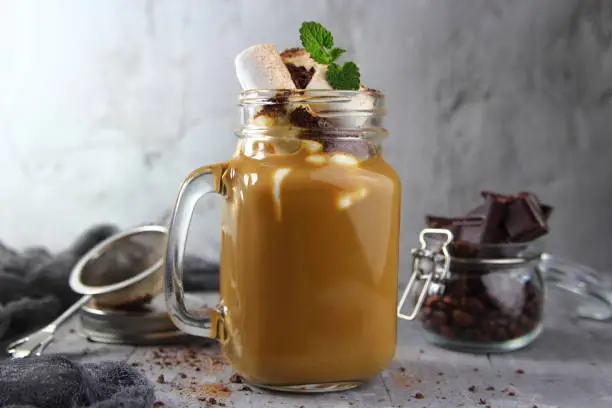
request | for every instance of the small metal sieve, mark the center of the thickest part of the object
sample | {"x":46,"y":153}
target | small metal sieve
{"x":124,"y":269}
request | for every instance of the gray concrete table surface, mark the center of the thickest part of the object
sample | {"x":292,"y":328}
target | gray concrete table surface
{"x":569,"y":366}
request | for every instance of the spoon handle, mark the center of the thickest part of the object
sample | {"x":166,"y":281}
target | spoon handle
{"x":67,"y":313}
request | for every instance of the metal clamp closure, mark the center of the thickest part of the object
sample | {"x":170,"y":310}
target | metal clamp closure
{"x":427,"y":265}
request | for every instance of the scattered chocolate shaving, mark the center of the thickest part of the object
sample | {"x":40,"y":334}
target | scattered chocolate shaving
{"x":182,"y":375}
{"x":440,"y":373}
{"x":520,"y":371}
{"x":512,"y":394}
{"x":490,"y":388}
{"x":236,"y":379}
{"x":402,"y":369}
{"x":161,"y":379}
{"x":475,"y":369}
{"x":472,"y":388}
{"x":482,"y":401}
{"x":419,"y":395}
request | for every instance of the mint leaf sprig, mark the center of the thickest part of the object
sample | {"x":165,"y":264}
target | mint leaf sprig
{"x":319,"y":43}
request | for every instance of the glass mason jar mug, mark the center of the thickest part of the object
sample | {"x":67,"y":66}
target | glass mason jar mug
{"x":490,"y":298}
{"x":309,"y":248}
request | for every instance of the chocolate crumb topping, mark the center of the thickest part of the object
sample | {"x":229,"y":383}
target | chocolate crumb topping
{"x":292,"y":52}
{"x":301,"y":117}
{"x":300,"y":75}
{"x":275,"y":109}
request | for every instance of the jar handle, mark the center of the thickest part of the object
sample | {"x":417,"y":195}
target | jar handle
{"x":196,"y":185}
{"x":581,"y":280}
{"x":427,"y":265}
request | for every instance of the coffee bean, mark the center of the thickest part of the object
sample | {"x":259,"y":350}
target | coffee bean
{"x":429,"y":302}
{"x":439,"y":318}
{"x":449,"y":300}
{"x":446,"y":331}
{"x":462,"y":319}
{"x":474,"y":305}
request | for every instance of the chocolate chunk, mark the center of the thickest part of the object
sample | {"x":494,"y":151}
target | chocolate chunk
{"x":433,"y":221}
{"x":300,"y":75}
{"x":494,"y":211}
{"x":547,"y":211}
{"x":471,"y":230}
{"x":525,"y":221}
{"x":502,"y":198}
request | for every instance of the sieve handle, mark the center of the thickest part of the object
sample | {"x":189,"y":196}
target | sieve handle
{"x":207,"y":322}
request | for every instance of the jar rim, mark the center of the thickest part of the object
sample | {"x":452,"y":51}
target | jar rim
{"x":309,"y":96}
{"x":502,"y":254}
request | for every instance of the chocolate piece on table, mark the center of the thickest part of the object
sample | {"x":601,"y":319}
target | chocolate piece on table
{"x":526,"y":220}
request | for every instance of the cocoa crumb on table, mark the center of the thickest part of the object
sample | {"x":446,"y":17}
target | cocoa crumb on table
{"x":490,"y":388}
{"x":520,"y":371}
{"x":482,"y":401}
{"x":512,"y":394}
{"x":236,"y":379}
{"x":419,"y":395}
{"x":161,"y":379}
{"x":402,"y":369}
{"x":472,"y":388}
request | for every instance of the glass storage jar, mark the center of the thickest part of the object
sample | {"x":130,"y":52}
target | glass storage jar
{"x":492,"y":299}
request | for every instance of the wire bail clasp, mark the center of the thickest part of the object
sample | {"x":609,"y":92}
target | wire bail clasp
{"x":427,"y":264}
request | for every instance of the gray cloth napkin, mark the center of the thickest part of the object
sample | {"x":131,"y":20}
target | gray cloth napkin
{"x":57,"y":382}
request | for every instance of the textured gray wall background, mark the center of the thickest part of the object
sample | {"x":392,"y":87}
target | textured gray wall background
{"x":106,"y":105}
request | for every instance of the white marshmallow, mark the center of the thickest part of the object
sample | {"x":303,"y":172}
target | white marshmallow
{"x":319,"y":79}
{"x":261,"y":67}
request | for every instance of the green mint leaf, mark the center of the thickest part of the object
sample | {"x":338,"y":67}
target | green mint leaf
{"x":319,"y":55}
{"x":335,"y":53}
{"x":345,"y":76}
{"x":316,"y":39}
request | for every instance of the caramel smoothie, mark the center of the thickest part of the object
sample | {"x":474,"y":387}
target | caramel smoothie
{"x":309,"y":264}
